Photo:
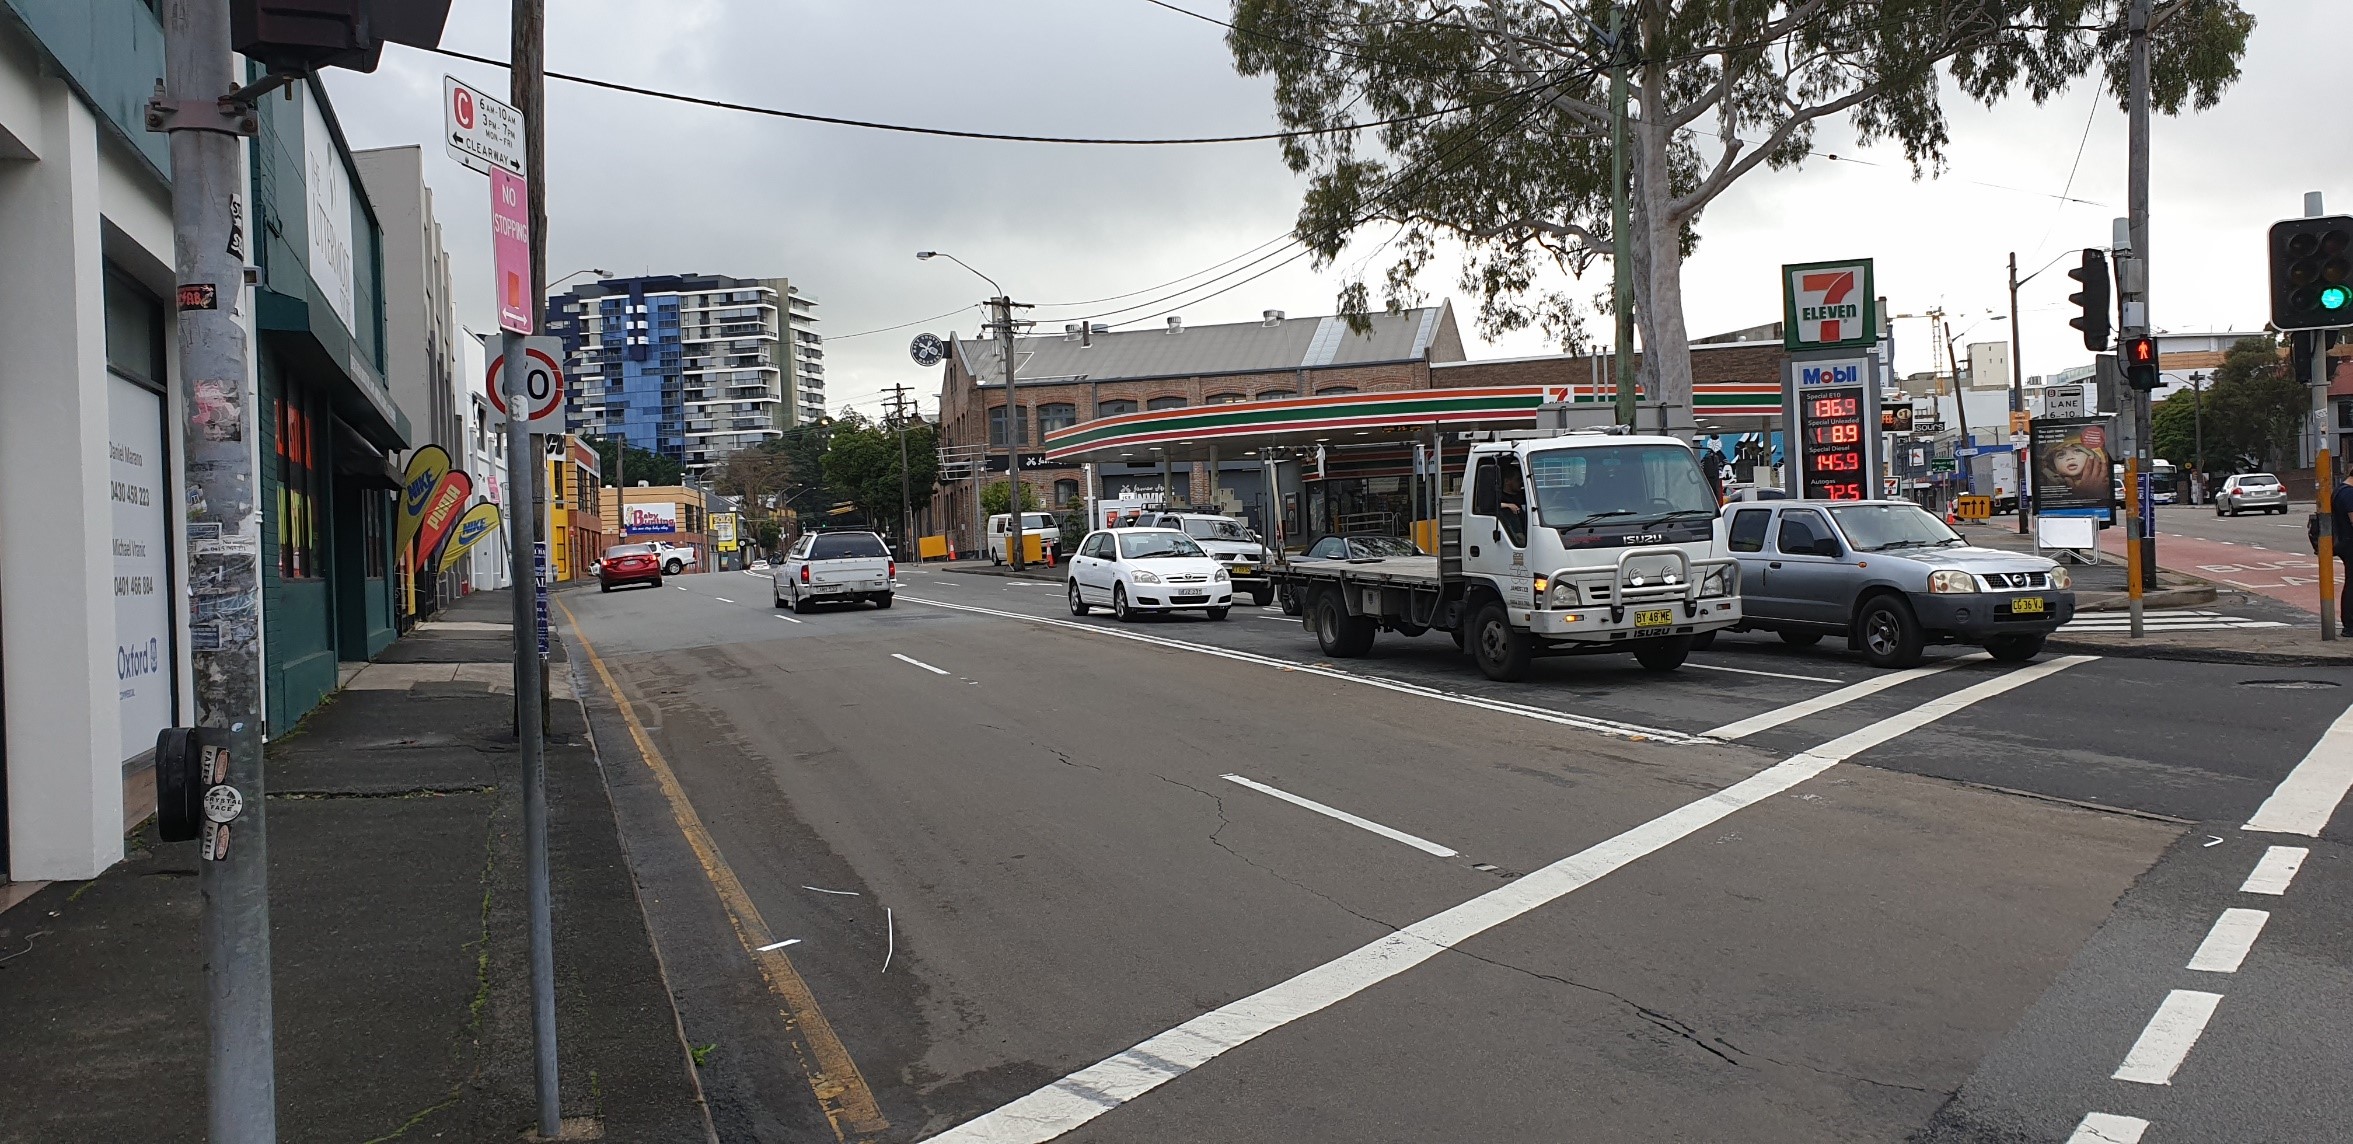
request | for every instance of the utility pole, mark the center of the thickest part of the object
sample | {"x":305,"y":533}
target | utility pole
{"x":906,"y":495}
{"x":2323,"y":469}
{"x":2133,"y":295}
{"x":222,"y":465}
{"x":1621,"y":238}
{"x":1015,"y":539}
{"x":2018,"y":397}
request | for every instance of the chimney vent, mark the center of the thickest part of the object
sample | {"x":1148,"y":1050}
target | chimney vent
{"x":1274,"y":317}
{"x":1070,"y":331}
{"x":1176,"y":325}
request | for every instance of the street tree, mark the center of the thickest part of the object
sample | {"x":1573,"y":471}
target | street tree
{"x":1518,"y":171}
{"x":644,"y":464}
{"x":2253,"y":409}
{"x":862,"y":463}
{"x":994,"y":498}
{"x":757,"y":474}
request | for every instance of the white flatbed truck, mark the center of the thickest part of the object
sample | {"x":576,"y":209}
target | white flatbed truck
{"x":1572,"y":542}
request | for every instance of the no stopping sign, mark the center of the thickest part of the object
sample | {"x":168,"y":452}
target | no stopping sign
{"x":543,"y":379}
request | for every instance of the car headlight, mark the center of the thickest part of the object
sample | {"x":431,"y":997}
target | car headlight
{"x":1142,"y":577}
{"x":2060,"y":579}
{"x":1951,"y":580}
{"x":1220,"y":574}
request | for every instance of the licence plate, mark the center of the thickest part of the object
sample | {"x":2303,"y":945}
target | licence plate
{"x":1654,"y":617}
{"x":2026,"y":606}
{"x":1243,"y":570}
{"x":1190,"y":597}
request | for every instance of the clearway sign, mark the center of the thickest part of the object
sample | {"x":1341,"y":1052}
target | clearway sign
{"x":480,"y":132}
{"x":1828,"y":305}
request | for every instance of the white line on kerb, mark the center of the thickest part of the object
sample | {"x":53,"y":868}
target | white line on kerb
{"x":778,"y":944}
{"x":680,"y":587}
{"x":2277,"y":869}
{"x":1839,"y":698}
{"x":1766,"y":674}
{"x":2167,"y":1039}
{"x":2108,"y":1128}
{"x":2226,"y":945}
{"x":1090,"y":1092}
{"x":1545,"y":714}
{"x":2307,"y":798}
{"x":1422,"y":844}
{"x":918,"y":663}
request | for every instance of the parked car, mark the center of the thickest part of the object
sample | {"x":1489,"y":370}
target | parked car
{"x":834,"y":567}
{"x":1137,"y":570}
{"x":628,"y":564}
{"x":1039,"y":524}
{"x":1755,"y":493}
{"x":1227,"y":541}
{"x":1354,"y":547}
{"x":675,"y":558}
{"x":1890,"y":577}
{"x":2251,"y":492}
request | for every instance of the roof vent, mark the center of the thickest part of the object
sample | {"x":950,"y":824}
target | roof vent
{"x":1176,"y":325}
{"x":1273,"y":317}
{"x":1070,"y":330}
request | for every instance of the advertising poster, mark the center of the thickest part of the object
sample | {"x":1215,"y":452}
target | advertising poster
{"x":142,"y":572}
{"x":425,"y":469}
{"x":723,"y":526}
{"x":2071,"y":464}
{"x":660,"y":516}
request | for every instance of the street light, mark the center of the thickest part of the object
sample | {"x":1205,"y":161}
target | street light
{"x":1004,"y":325}
{"x":551,"y":287}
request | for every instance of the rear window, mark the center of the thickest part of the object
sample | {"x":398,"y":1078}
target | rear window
{"x":2258,"y":479}
{"x":846,"y":546}
{"x":619,"y":550}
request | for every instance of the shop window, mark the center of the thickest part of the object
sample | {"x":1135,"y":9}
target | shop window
{"x":302,"y":486}
{"x":1056,"y":415}
{"x":1114,"y":408}
{"x":1224,"y":398}
{"x":1065,"y":491}
{"x":375,"y":550}
{"x":134,"y":330}
{"x":1165,"y":403}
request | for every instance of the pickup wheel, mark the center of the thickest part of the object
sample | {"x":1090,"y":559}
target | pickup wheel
{"x":882,"y":599}
{"x":1501,"y":649}
{"x":1262,"y":596}
{"x":1341,"y":635}
{"x":673,"y":568}
{"x":1078,"y":604}
{"x":802,"y":605}
{"x":1703,"y":641}
{"x":1890,"y":633}
{"x":777,"y":596}
{"x":2014,"y":649}
{"x":1801,"y":639}
{"x":1663,"y":655}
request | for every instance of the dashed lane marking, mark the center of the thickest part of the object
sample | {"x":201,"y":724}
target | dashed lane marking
{"x":2107,"y":1128}
{"x":918,"y":663}
{"x":1064,"y":1105}
{"x":2275,"y":871}
{"x":1839,"y":698}
{"x":1417,"y":842}
{"x":723,"y":599}
{"x":2227,"y":944}
{"x":2305,"y":800}
{"x":2167,"y":1039}
{"x":789,"y":619}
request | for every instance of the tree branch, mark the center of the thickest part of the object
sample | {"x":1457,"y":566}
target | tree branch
{"x":1733,"y":165}
{"x":1530,"y":223}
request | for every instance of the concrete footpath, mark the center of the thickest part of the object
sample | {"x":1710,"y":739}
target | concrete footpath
{"x":400,"y":943}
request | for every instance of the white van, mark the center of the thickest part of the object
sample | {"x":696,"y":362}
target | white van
{"x":1034,"y":523}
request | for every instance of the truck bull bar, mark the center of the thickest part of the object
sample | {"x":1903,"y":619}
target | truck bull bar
{"x":1682,"y":584}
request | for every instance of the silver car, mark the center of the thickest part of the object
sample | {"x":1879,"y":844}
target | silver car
{"x":2251,"y":492}
{"x":1891,"y":578}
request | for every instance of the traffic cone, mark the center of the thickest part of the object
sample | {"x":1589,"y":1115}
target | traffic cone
{"x":1049,"y":556}
{"x":951,"y":548}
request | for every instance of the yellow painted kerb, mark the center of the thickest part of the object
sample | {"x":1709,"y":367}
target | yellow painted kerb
{"x":841,"y":1089}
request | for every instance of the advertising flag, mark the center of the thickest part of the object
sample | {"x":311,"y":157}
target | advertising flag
{"x":479,"y":521}
{"x":425,"y":469}
{"x":441,"y":514}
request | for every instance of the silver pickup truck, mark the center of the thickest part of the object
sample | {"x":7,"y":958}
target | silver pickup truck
{"x":1889,"y":577}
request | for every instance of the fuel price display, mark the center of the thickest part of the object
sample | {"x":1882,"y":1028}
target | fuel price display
{"x":1831,"y":443}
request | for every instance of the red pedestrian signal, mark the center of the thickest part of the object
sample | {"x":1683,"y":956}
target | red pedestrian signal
{"x":2139,"y":357}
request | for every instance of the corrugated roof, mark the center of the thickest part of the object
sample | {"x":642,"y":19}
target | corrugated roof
{"x":1240,"y":347}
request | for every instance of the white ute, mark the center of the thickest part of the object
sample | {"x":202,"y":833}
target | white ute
{"x":1569,"y":543}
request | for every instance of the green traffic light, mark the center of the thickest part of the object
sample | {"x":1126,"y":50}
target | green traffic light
{"x":2335,"y":298}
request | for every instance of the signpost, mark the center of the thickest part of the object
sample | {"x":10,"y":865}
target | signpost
{"x":543,"y":380}
{"x":2061,"y":402}
{"x":1831,"y":384}
{"x":483,"y":133}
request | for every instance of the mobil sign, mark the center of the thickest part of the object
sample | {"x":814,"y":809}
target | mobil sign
{"x":1833,"y":371}
{"x":1827,"y":305}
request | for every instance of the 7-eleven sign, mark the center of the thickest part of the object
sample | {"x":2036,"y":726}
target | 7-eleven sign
{"x":1826,"y":305}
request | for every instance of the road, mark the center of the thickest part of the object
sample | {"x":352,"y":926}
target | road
{"x":2263,"y":554}
{"x":1044,"y":877}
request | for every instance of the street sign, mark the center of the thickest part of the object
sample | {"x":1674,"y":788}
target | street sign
{"x":479,"y":131}
{"x":1927,"y":424}
{"x":927,"y":350}
{"x":510,"y":250}
{"x":2063,"y":401}
{"x":1828,"y":305}
{"x":1943,"y":465}
{"x":543,"y":379}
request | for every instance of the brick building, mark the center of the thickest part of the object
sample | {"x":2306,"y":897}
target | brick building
{"x":1082,"y":375}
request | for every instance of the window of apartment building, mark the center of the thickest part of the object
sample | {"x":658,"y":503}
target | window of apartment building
{"x":1273,"y":394}
{"x":302,"y":486}
{"x":1065,"y":491}
{"x":1223,"y":398}
{"x":997,"y":425}
{"x":1165,"y":403}
{"x":1056,"y":415}
{"x":1114,"y":408}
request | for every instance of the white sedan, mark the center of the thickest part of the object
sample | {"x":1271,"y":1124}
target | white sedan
{"x":1138,"y":570}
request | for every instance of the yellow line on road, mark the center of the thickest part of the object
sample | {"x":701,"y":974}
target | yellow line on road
{"x":841,"y":1089}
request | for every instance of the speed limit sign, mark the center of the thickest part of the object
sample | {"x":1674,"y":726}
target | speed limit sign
{"x":543,"y":379}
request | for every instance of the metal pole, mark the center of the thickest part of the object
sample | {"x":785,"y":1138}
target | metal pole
{"x":224,"y":554}
{"x":2325,"y":486}
{"x":2135,"y":303}
{"x":524,"y":525}
{"x":1621,"y":238}
{"x":2018,"y":396}
{"x":1015,"y":538}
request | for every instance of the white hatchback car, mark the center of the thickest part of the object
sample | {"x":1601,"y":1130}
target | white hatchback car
{"x":1138,"y":570}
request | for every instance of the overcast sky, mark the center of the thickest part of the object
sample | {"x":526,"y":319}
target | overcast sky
{"x":639,"y":185}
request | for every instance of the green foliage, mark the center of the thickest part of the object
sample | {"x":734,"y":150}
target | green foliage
{"x":2176,"y":436}
{"x":2253,"y":409}
{"x":644,"y":465}
{"x":767,"y":534}
{"x":1072,"y":520}
{"x":993,"y":498}
{"x":861,"y":463}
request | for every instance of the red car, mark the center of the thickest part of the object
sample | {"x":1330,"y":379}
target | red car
{"x":629,"y":564}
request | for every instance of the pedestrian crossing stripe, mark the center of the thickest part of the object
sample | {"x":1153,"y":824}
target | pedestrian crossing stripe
{"x":2192,"y":621}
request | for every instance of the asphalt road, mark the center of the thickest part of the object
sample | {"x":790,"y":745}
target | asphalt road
{"x":1047,"y":877}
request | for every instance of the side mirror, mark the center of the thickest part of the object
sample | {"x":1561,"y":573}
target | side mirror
{"x":1828,"y":546}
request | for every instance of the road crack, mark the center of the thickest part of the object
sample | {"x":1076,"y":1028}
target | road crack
{"x":1224,"y":821}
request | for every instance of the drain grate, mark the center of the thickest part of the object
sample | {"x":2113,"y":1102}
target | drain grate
{"x":2290,"y":684}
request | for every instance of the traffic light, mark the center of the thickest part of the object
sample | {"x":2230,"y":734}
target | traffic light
{"x":2093,"y":299}
{"x":300,"y":35}
{"x":2312,"y":273}
{"x":2140,"y":362}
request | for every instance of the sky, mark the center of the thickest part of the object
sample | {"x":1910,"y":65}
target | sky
{"x":640,"y":185}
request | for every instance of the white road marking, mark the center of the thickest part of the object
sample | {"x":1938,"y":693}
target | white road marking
{"x":790,"y":620}
{"x":1545,"y":714}
{"x":1839,"y":698}
{"x":2226,"y":945}
{"x":2107,"y":1128}
{"x":1766,"y":674}
{"x":1082,"y":1096}
{"x":1278,"y":619}
{"x":918,"y":663}
{"x":823,"y":890}
{"x":2307,"y":798}
{"x":723,"y":599}
{"x":778,"y":945}
{"x":680,"y":587}
{"x":2167,"y":1039}
{"x":1422,"y":844}
{"x":2277,"y":868}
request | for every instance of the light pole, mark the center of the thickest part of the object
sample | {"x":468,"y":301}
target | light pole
{"x":1003,"y":324}
{"x":2198,"y":413}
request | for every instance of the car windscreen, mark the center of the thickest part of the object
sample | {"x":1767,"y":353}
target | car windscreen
{"x":2253,"y":479}
{"x":1206,"y":528}
{"x":1618,"y":485}
{"x":1376,"y":547}
{"x":1156,"y":546}
{"x":1884,"y":527}
{"x":846,"y":546}
{"x":619,"y":550}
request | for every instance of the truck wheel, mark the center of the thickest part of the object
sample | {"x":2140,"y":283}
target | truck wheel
{"x":1261,"y":596}
{"x":1663,"y":655}
{"x":2014,"y":649}
{"x":1501,"y":649}
{"x":1801,"y":639}
{"x":673,"y":568}
{"x":1703,"y":641}
{"x":882,"y":599}
{"x":1890,"y":633}
{"x":1341,"y":635}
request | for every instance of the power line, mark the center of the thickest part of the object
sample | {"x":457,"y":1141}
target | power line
{"x":901,"y":326}
{"x":871,"y":125}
